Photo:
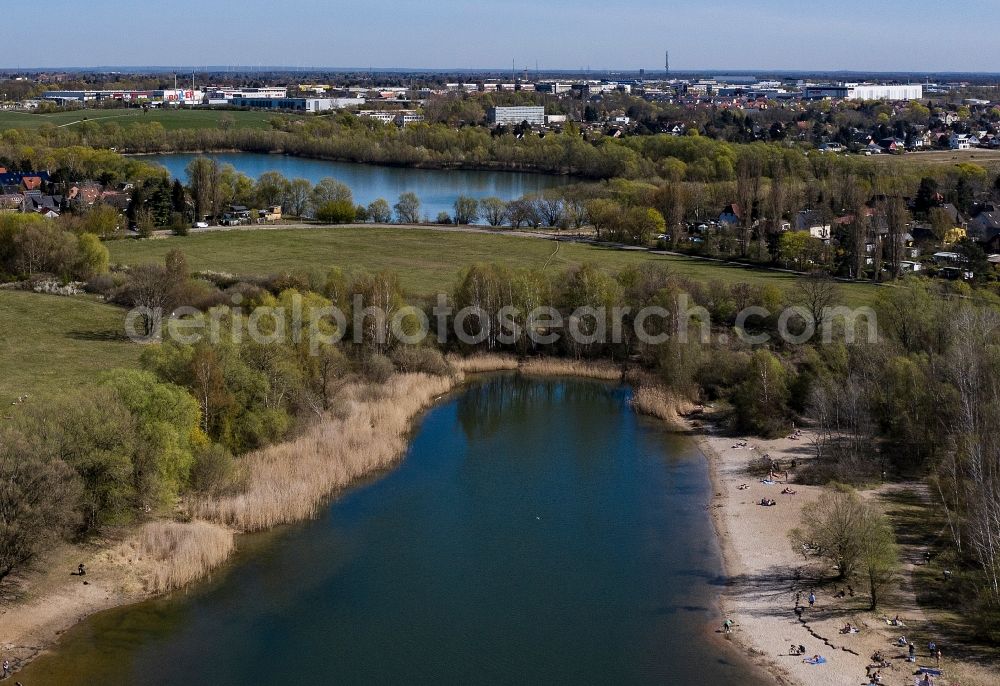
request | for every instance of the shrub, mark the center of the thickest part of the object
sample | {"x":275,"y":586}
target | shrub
{"x":178,"y":225}
{"x":102,"y":284}
{"x":39,"y":500}
{"x":336,"y":212}
{"x":411,"y":358}
{"x":213,"y":469}
{"x":249,"y":294}
{"x":378,"y":368}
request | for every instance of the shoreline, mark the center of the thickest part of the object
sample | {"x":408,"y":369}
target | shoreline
{"x":760,"y":568}
{"x":47,"y":601}
{"x":764,"y":573}
{"x":400,"y":165}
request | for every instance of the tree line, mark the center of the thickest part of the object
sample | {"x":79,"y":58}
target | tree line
{"x":920,"y":400}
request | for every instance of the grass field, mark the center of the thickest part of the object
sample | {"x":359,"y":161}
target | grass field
{"x":52,"y":345}
{"x":170,"y":118}
{"x":990,"y":159}
{"x":427,"y":261}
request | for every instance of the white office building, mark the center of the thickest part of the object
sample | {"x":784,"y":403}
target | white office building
{"x":534,"y":115}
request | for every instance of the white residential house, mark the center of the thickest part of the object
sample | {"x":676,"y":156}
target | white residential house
{"x":813,"y":222}
{"x":960,"y":141}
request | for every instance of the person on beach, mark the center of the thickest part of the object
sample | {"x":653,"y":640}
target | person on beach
{"x":913,"y":654}
{"x":6,"y":668}
{"x":812,"y":599}
{"x":727,"y":626}
{"x":937,"y":657}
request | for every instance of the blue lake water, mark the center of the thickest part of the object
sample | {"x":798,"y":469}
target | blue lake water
{"x":436,"y":188}
{"x":536,"y":532}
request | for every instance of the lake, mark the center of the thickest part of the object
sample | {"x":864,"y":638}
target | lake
{"x":436,"y":188}
{"x":537,"y":531}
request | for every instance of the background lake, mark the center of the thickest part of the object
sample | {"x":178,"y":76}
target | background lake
{"x":536,"y":532}
{"x":436,"y":188}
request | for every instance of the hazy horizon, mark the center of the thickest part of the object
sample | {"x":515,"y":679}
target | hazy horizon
{"x":905,"y":36}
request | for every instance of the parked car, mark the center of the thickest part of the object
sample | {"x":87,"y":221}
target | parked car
{"x":201,"y":225}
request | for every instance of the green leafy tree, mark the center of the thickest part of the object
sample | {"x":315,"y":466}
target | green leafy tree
{"x":94,"y":257}
{"x":270,"y":189}
{"x":330,"y":191}
{"x":336,"y":212}
{"x":407,"y":208}
{"x":466,"y":209}
{"x":761,"y":400}
{"x":167,"y":431}
{"x":879,"y":558}
{"x":379,"y":211}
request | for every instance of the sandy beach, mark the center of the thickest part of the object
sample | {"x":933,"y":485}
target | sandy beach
{"x":765,"y":576}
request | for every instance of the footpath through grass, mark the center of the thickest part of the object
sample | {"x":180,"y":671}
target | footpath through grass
{"x":51,"y":345}
{"x":428,"y":261}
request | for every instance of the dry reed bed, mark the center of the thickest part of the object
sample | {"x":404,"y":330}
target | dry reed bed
{"x":554,"y":366}
{"x":486,"y":362}
{"x":659,"y":402}
{"x":538,"y":366}
{"x":286,"y":482}
{"x":169,"y":555}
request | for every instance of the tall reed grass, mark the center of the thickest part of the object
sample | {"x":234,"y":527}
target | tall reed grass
{"x":169,"y":555}
{"x":555,"y":366}
{"x":486,"y":362}
{"x":661,"y":403}
{"x":286,"y":482}
{"x":536,"y":366}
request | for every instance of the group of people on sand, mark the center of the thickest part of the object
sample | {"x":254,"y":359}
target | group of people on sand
{"x":875,"y":678}
{"x":849,"y":629}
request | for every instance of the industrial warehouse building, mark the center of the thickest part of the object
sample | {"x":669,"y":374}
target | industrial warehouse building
{"x":170,"y":96}
{"x":534,"y":115}
{"x":298,"y":104}
{"x":865,"y":91}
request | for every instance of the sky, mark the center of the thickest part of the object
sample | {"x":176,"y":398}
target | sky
{"x":860,"y":35}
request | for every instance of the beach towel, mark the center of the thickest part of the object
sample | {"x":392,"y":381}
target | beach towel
{"x":769,"y":482}
{"x":817,"y":661}
{"x":929,"y":670}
